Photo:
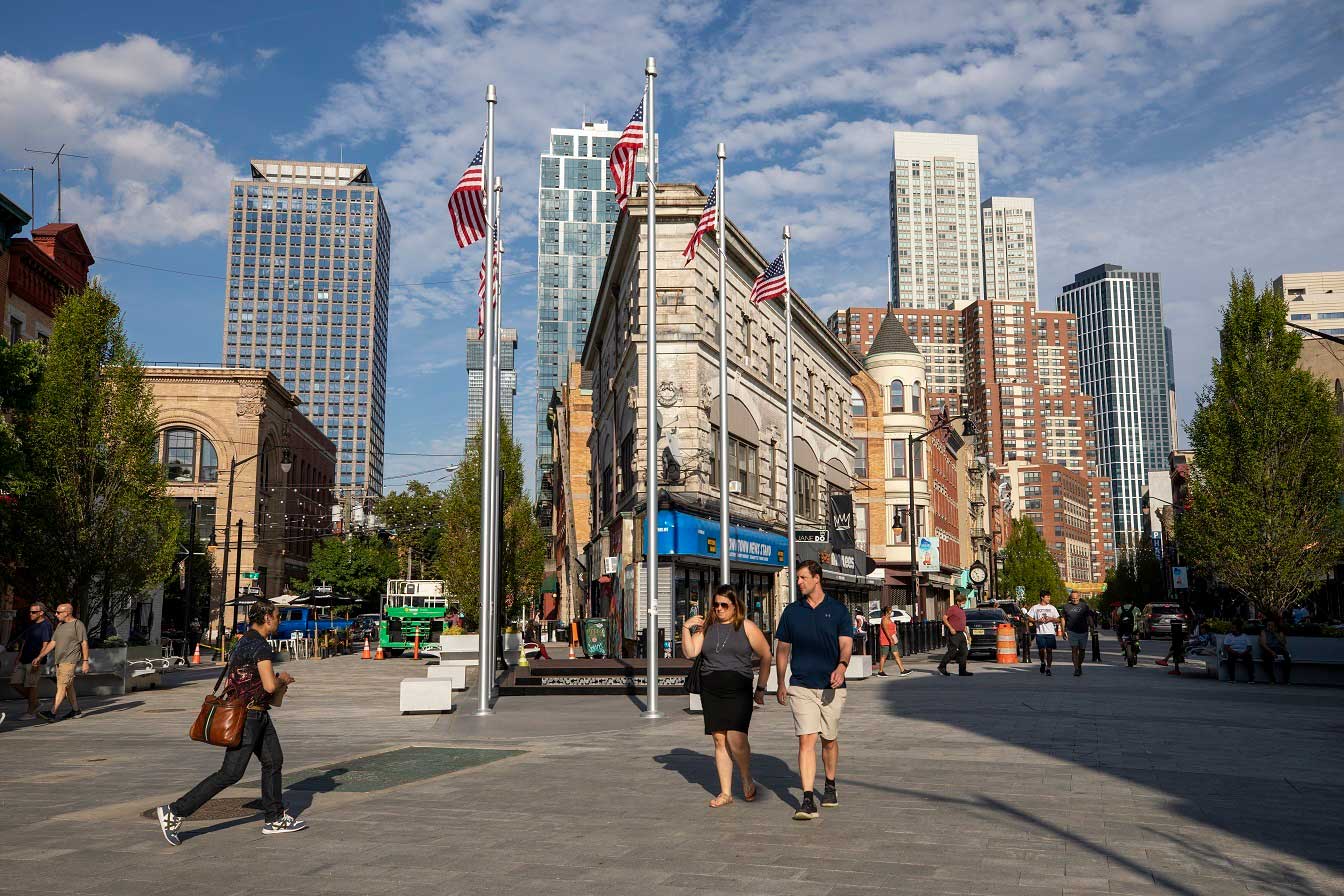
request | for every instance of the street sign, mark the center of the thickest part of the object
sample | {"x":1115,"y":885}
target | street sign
{"x":1020,"y":592}
{"x":252,"y":575}
{"x":322,"y":589}
{"x":811,"y":536}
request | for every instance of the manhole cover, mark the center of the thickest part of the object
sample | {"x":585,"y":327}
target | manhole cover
{"x":219,"y":809}
{"x":395,"y":767}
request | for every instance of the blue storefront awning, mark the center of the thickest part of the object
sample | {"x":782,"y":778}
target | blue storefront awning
{"x":687,"y":535}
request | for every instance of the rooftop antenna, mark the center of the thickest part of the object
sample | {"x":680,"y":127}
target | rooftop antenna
{"x":56,"y":160}
{"x":32,"y":195}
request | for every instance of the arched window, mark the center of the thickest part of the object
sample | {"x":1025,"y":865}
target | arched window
{"x":897,"y":395}
{"x":188,"y":456}
{"x":857,"y":406}
{"x":915,"y":397}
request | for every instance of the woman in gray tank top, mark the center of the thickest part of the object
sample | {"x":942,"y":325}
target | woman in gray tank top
{"x":732,"y":647}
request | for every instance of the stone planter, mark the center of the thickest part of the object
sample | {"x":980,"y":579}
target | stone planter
{"x":106,"y":678}
{"x":144,"y":652}
{"x":460,"y":643}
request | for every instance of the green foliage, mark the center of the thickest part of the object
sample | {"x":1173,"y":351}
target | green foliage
{"x":417,"y":516}
{"x":20,"y":373}
{"x":1027,"y":562}
{"x":98,"y":529}
{"x":523,"y":556}
{"x":356,"y":567}
{"x":1136,"y":578}
{"x":175,"y":588}
{"x":1266,"y":517}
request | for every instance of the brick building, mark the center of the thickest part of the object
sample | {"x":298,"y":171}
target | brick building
{"x":569,"y":476}
{"x":37,"y":273}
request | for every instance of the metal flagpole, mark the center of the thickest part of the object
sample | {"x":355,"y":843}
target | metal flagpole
{"x":788,"y":405}
{"x":652,"y":648}
{"x":493,"y":292}
{"x":489,"y":423}
{"x":725,"y":541}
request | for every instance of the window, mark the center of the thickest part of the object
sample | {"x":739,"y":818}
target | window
{"x":15,"y":331}
{"x":857,"y":406}
{"x":805,"y":494}
{"x":742,"y":463}
{"x":897,"y":395}
{"x":917,"y":459}
{"x":915,"y":397}
{"x":860,"y":458}
{"x":188,"y":456}
{"x":897,"y":447}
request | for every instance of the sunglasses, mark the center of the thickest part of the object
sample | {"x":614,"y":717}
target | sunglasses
{"x":34,"y":612}
{"x":721,"y":606}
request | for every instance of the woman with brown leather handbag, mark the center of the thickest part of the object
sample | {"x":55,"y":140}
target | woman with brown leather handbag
{"x":250,"y":677}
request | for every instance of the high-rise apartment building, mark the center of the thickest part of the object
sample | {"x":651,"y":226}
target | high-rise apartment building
{"x":307,"y":296}
{"x":1008,"y":248}
{"x":508,"y":379}
{"x":1123,"y":366}
{"x":576,"y":215}
{"x":935,"y":220}
{"x":1315,"y":301}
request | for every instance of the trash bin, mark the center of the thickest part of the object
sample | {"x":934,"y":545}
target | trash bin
{"x":596,"y":637}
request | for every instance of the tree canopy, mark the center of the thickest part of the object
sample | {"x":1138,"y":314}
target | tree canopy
{"x":417,"y":517}
{"x":1266,"y":517}
{"x":1027,"y":562}
{"x":357,"y":567}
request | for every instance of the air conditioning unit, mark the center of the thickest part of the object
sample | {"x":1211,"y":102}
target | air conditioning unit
{"x":734,"y":488}
{"x":610,"y":565}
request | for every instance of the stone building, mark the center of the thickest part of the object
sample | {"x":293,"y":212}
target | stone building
{"x":221,"y":422}
{"x":569,"y":476}
{"x":688,"y":410}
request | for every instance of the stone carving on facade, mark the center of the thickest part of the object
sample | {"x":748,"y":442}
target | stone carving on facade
{"x":772,"y":434}
{"x":632,"y":397}
{"x":669,"y":393}
{"x":251,"y":399}
{"x":706,"y":397}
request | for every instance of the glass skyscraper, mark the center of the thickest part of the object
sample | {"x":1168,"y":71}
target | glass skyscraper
{"x":1124,"y":367}
{"x":576,"y":216}
{"x":508,"y":379}
{"x":307,"y":296}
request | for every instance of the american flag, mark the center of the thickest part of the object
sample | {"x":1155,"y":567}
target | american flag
{"x":623,"y":155}
{"x":466,"y":205}
{"x":480,"y":289}
{"x":708,"y":221}
{"x":771,"y":284}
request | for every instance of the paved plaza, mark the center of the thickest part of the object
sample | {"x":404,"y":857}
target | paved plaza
{"x":1122,"y":781}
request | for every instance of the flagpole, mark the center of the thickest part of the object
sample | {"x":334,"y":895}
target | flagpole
{"x":494,"y":288}
{"x":489,"y":424}
{"x":788,"y":419}
{"x":652,"y":648}
{"x":725,"y":541}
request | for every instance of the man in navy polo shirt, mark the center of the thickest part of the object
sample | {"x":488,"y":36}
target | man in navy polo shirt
{"x":817,"y":633}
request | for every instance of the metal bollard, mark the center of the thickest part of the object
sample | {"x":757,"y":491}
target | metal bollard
{"x":1096,"y":646}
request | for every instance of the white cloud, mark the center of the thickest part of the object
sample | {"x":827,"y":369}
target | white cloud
{"x":146,"y":181}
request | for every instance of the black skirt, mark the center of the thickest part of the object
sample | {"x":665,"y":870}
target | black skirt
{"x":726,"y":698}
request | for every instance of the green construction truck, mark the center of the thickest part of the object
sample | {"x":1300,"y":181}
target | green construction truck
{"x":412,"y":607}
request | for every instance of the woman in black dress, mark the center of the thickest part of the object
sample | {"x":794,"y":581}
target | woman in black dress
{"x":731,"y":645}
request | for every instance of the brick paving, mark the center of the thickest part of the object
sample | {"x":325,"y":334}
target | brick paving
{"x":1122,"y":781}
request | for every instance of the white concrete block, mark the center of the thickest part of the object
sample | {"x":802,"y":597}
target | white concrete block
{"x":696,"y":705}
{"x":426,"y":695}
{"x":455,"y":673}
{"x":860,"y":667}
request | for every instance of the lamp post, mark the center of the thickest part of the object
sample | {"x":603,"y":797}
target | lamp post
{"x":911,"y":440}
{"x":286,"y":463}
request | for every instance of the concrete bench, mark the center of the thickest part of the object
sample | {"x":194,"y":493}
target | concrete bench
{"x":1315,"y":661}
{"x":426,"y":695}
{"x":457,"y":674}
{"x":143,"y":674}
{"x":860,"y":667}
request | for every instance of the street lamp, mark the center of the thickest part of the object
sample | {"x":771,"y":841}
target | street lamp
{"x":944,"y":423}
{"x":286,"y":464}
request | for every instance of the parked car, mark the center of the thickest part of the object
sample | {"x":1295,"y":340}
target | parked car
{"x":301,"y":621}
{"x":1156,"y":620}
{"x":1009,"y":607}
{"x":365,"y":626}
{"x":983,"y":624}
{"x":875,"y":619}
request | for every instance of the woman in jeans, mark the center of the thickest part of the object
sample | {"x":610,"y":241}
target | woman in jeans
{"x":251,"y":676}
{"x":731,"y":645}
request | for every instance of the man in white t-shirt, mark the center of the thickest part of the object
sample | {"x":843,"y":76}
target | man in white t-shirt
{"x":1238,"y":648}
{"x":1046,"y":619}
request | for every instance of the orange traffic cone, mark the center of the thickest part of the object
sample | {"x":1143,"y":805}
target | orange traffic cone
{"x":196,"y":657}
{"x":415,"y":651}
{"x":366,"y":655}
{"x":379,"y":654}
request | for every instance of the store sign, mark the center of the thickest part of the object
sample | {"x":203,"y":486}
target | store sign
{"x":926,"y":552}
{"x":810,"y":536}
{"x":685,"y":534}
{"x":840,"y":519}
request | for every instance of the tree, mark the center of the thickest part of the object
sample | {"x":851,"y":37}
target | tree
{"x":1265,"y":515}
{"x":20,"y":373}
{"x":1027,"y":562}
{"x":523,"y":554}
{"x":356,"y":567}
{"x":1136,"y":578}
{"x":98,"y":528}
{"x":418,"y":517}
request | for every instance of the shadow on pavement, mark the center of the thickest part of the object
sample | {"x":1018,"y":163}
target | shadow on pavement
{"x":769,"y":772}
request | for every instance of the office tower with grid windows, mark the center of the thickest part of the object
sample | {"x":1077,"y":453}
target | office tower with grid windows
{"x":935,"y":220}
{"x":508,"y":379}
{"x":576,"y":216}
{"x":1008,"y":248}
{"x":307,"y":299}
{"x":1123,"y":366}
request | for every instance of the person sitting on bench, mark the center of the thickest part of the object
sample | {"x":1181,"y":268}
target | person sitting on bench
{"x":1237,"y":648}
{"x":1274,"y":646}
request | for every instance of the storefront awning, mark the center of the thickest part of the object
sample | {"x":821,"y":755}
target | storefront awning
{"x":687,"y":535}
{"x":849,"y":566}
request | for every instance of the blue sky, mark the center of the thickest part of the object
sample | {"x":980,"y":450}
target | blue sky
{"x":1190,"y":138}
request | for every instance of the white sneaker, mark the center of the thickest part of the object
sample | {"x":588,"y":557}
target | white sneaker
{"x":169,"y":823}
{"x":285,"y":824}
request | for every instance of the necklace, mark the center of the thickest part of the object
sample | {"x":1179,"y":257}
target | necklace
{"x":718,"y":648}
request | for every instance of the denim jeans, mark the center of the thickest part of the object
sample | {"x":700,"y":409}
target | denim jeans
{"x":259,"y":737}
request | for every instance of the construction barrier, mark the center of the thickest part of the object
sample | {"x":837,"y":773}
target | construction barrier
{"x":1007,"y":644}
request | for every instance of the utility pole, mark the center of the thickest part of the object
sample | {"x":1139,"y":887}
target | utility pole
{"x":56,"y":160}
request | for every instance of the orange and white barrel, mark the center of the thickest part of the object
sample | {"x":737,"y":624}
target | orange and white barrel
{"x":1007,"y":644}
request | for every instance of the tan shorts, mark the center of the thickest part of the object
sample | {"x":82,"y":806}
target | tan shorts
{"x":25,"y":675}
{"x":816,"y":711}
{"x":65,"y":675}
